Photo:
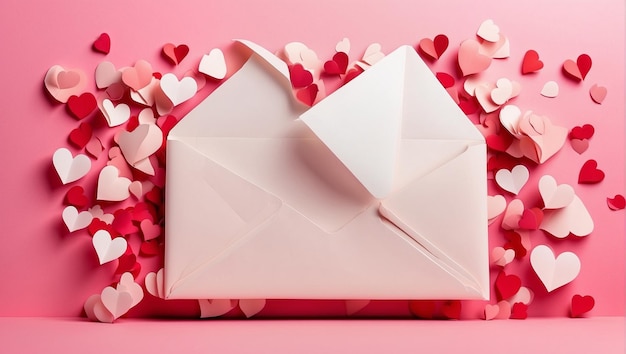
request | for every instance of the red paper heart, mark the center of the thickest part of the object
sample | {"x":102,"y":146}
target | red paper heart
{"x":434,"y":48}
{"x":123,"y":222}
{"x":470,"y":58}
{"x":150,"y":248}
{"x":80,"y":136}
{"x":97,"y":224}
{"x":102,"y":44}
{"x":155,"y":196}
{"x":81,"y":106}
{"x":126,"y":261}
{"x":451,"y":309}
{"x":76,"y":197}
{"x":468,"y":104}
{"x":507,"y":285}
{"x":519,"y":311}
{"x":307,"y":95}
{"x":616,"y":203}
{"x":423,"y":308}
{"x":300,"y":77}
{"x":581,"y":305}
{"x":579,"y":69}
{"x":441,"y":44}
{"x":445,"y":79}
{"x":132,"y":124}
{"x":515,"y":244}
{"x":175,"y":54}
{"x":338,"y":65}
{"x":352,"y":73}
{"x":531,"y":219}
{"x":501,"y":161}
{"x":499,"y":142}
{"x":590,"y":173}
{"x":584,"y":132}
{"x":531,"y":62}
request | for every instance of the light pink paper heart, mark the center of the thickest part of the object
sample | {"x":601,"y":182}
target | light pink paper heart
{"x":470,"y":60}
{"x":97,"y":213}
{"x":579,"y":145}
{"x":343,"y":46}
{"x":491,"y":311}
{"x":154,"y":283}
{"x":178,"y":91}
{"x":554,"y":272}
{"x":141,"y":143}
{"x":555,"y":196}
{"x":111,"y":187}
{"x":138,"y":76}
{"x":62,"y":83}
{"x":127,"y":284}
{"x":373,"y":54}
{"x":512,"y":181}
{"x":213,"y":64}
{"x":550,"y":89}
{"x":215,"y":307}
{"x":574,"y":219}
{"x":513,"y":214}
{"x":524,"y":295}
{"x":502,"y":92}
{"x":489,"y":31}
{"x":108,"y":249}
{"x":114,"y":115}
{"x":598,"y":93}
{"x":510,"y":116}
{"x":149,"y":230}
{"x":107,"y":75}
{"x":548,"y":141}
{"x":251,"y":307}
{"x":68,"y":167}
{"x":501,"y":257}
{"x":495,"y":206}
{"x":75,"y":220}
{"x":483,"y":95}
{"x":116,"y":302}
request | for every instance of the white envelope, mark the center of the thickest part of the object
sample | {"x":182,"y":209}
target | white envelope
{"x":377,"y":192}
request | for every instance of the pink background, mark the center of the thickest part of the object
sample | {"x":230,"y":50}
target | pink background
{"x":47,"y":272}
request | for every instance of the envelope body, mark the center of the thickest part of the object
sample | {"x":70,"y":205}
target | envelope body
{"x":377,"y":192}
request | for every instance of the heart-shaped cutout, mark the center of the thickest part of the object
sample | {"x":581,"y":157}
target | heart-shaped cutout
{"x":213,"y":64}
{"x":108,"y":249}
{"x":555,"y":196}
{"x":554,"y":272}
{"x":111,"y":187}
{"x":512,"y":181}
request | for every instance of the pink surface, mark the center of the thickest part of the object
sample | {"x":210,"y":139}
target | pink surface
{"x":47,"y":272}
{"x":42,"y":335}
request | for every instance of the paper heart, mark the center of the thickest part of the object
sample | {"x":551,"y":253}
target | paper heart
{"x":547,"y":138}
{"x":81,"y":106}
{"x":152,"y":284}
{"x":507,"y":285}
{"x":76,"y":196}
{"x":491,"y":311}
{"x":373,"y":54}
{"x":502,"y":92}
{"x":299,"y":53}
{"x":308,"y":95}
{"x":597,"y":93}
{"x":213,"y":64}
{"x":75,"y":220}
{"x":111,"y":187}
{"x":503,"y":46}
{"x":434,"y":48}
{"x":251,"y":307}
{"x":579,"y":145}
{"x":300,"y":77}
{"x":149,"y":230}
{"x":577,"y":70}
{"x":574,"y":219}
{"x":68,"y":167}
{"x":115,"y":115}
{"x":98,"y":213}
{"x":495,"y":206}
{"x":555,"y":196}
{"x":102,"y":44}
{"x":178,"y":91}
{"x":216,"y":307}
{"x":513,"y":214}
{"x":554,"y":272}
{"x":470,"y":60}
{"x":501,"y":257}
{"x":550,"y":89}
{"x":138,"y":76}
{"x":590,"y":174}
{"x":500,"y":311}
{"x":512,"y":181}
{"x":451,"y":309}
{"x":95,"y":310}
{"x":489,"y":31}
{"x":531,"y":62}
{"x":175,"y":53}
{"x":519,"y":311}
{"x":108,"y":249}
{"x":80,"y":136}
{"x":127,"y":284}
{"x":116,"y":302}
{"x":62,"y":84}
{"x":116,"y":91}
{"x":523,"y":295}
{"x":354,"y":306}
{"x":107,"y":75}
{"x":584,"y":132}
{"x":483,"y":96}
{"x":140,"y":143}
{"x":338,"y":65}
{"x":531,"y":219}
{"x":616,"y":203}
{"x":445,"y":79}
{"x":147,"y":95}
{"x":518,"y":240}
{"x":510,"y":116}
{"x":581,"y":305}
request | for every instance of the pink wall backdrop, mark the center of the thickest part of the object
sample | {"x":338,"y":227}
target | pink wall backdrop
{"x":46,"y":272}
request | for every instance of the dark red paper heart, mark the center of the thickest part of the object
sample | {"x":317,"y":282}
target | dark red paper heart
{"x":338,"y":65}
{"x":446,"y":80}
{"x":515,"y":243}
{"x":102,"y":44}
{"x":584,"y":132}
{"x":97,"y":224}
{"x":519,"y":311}
{"x":590,"y":174}
{"x":584,"y":64}
{"x":308,"y":95}
{"x":616,"y":203}
{"x":126,"y":261}
{"x":441,"y":44}
{"x":468,"y":104}
{"x":132,"y":124}
{"x":507,"y":285}
{"x":300,"y":77}
{"x":451,"y":309}
{"x":581,"y":305}
{"x":76,"y":196}
{"x":80,"y":136}
{"x":175,"y":54}
{"x":500,"y":161}
{"x":81,"y":106}
{"x":531,"y":219}
{"x":531,"y":62}
{"x":181,"y":52}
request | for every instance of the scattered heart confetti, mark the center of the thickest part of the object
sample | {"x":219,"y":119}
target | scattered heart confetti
{"x":213,"y":64}
{"x":590,"y":174}
{"x":579,"y":145}
{"x":434,"y":48}
{"x":102,"y":44}
{"x":513,"y":181}
{"x":175,"y":53}
{"x":618,"y":202}
{"x":108,"y":249}
{"x":107,"y":75}
{"x":138,"y":76}
{"x":300,"y":77}
{"x":519,"y":311}
{"x":550,"y":89}
{"x":554,"y":272}
{"x":501,"y":257}
{"x":584,"y":132}
{"x":531,"y":219}
{"x":581,"y":305}
{"x":495,"y":206}
{"x":308,"y":95}
{"x":68,"y":167}
{"x":531,"y":62}
{"x":597,"y":93}
{"x":572,"y":219}
{"x":507,"y":285}
{"x":577,"y":70}
{"x":513,"y":214}
{"x":81,"y":136}
{"x":338,"y":65}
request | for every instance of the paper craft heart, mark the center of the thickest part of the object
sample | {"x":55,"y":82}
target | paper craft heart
{"x":343,"y":46}
{"x":584,"y":132}
{"x":513,"y":214}
{"x":80,"y":136}
{"x":140,"y":143}
{"x":107,"y":75}
{"x":483,"y":96}
{"x":154,"y":283}
{"x":68,"y":167}
{"x":499,"y":311}
{"x":590,"y":174}
{"x":531,"y":62}
{"x":300,"y":77}
{"x":373,"y":54}
{"x":251,"y":307}
{"x":81,"y":106}
{"x":174,"y":53}
{"x":512,"y":181}
{"x":111,"y":187}
{"x":555,"y":196}
{"x":531,"y":219}
{"x":451,"y":309}
{"x":116,"y":302}
{"x":127,"y":284}
{"x":501,"y":257}
{"x":213,"y":64}
{"x":505,"y":89}
{"x":507,"y":285}
{"x":149,"y":230}
{"x":470,"y":60}
{"x":102,"y":44}
{"x":138,"y":76}
{"x":616,"y":203}
{"x":519,"y":311}
{"x":579,"y":145}
{"x":581,"y":305}
{"x":115,"y":115}
{"x":106,"y":248}
{"x":62,"y":84}
{"x":95,"y":310}
{"x":524,"y":295}
{"x":178,"y":91}
{"x":75,"y":196}
{"x":554,"y":272}
{"x":216,"y":307}
{"x":574,"y":219}
{"x":495,"y":206}
{"x":434,"y":48}
{"x":550,"y":89}
{"x":75,"y":220}
{"x":338,"y":65}
{"x":489,"y":31}
{"x":597,"y":93}
{"x":577,"y":70}
{"x":308,"y":95}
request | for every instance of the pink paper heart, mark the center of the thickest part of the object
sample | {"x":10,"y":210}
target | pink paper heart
{"x":495,"y":206}
{"x":138,"y":76}
{"x":62,"y":84}
{"x":574,"y":219}
{"x":579,"y":145}
{"x":483,"y":96}
{"x":149,"y":230}
{"x":127,"y":284}
{"x":116,"y":302}
{"x":597,"y":93}
{"x":555,"y":196}
{"x":140,"y":143}
{"x":68,"y":167}
{"x":513,"y":214}
{"x":215,"y":307}
{"x":489,"y":31}
{"x":470,"y":60}
{"x":107,"y":75}
{"x":554,"y":272}
{"x":251,"y":307}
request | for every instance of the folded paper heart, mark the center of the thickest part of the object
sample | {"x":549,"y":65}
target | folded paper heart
{"x":68,"y":167}
{"x":513,"y":214}
{"x":489,"y":31}
{"x":550,"y":89}
{"x":572,"y":219}
{"x":175,"y":53}
{"x":554,"y":272}
{"x":618,"y":202}
{"x":81,"y":106}
{"x":338,"y":65}
{"x":434,"y":48}
{"x":501,"y":257}
{"x":590,"y":173}
{"x":470,"y":59}
{"x":512,"y":181}
{"x":140,"y":143}
{"x":373,"y":54}
{"x":581,"y":305}
{"x":138,"y":76}
{"x":577,"y":70}
{"x":300,"y":77}
{"x":495,"y":206}
{"x":582,"y":132}
{"x":112,"y":187}
{"x":579,"y":145}
{"x":524,"y":295}
{"x":102,"y":44}
{"x":127,"y":284}
{"x":213,"y":64}
{"x":555,"y":196}
{"x":75,"y":220}
{"x":107,"y":75}
{"x":507,"y":285}
{"x":106,"y":248}
{"x":75,"y":196}
{"x":178,"y":91}
{"x":216,"y":307}
{"x":597,"y":93}
{"x":81,"y":136}
{"x":62,"y":84}
{"x":115,"y":115}
{"x":531,"y":62}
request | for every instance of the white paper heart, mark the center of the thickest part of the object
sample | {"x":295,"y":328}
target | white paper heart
{"x":107,"y":75}
{"x":554,"y":272}
{"x":106,"y":248}
{"x":97,"y":212}
{"x":215,"y":307}
{"x":251,"y":307}
{"x":512,"y":181}
{"x":111,"y":187}
{"x":503,"y":91}
{"x":115,"y":115}
{"x":139,"y":144}
{"x":178,"y":91}
{"x":523,"y":295}
{"x":117,"y":302}
{"x":75,"y":220}
{"x":574,"y":219}
{"x":501,"y":257}
{"x":495,"y":206}
{"x":510,"y":116}
{"x":213,"y":64}
{"x":68,"y":167}
{"x":489,"y":31}
{"x":146,"y":116}
{"x":343,"y":46}
{"x":513,"y":214}
{"x":555,"y":196}
{"x":127,"y":283}
{"x":550,"y":89}
{"x":373,"y":54}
